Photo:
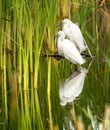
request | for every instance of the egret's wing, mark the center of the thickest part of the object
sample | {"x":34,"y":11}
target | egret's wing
{"x":71,"y":53}
{"x":77,"y":37}
{"x":72,"y":87}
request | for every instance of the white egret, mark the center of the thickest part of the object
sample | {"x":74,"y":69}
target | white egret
{"x":68,"y":49}
{"x":73,"y":32}
{"x":72,"y":86}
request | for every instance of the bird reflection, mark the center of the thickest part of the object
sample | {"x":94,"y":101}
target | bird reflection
{"x":72,"y":86}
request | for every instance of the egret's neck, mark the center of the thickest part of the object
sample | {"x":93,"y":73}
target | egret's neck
{"x":61,"y":37}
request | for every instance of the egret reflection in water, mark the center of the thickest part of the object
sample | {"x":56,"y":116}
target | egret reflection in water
{"x":72,"y":86}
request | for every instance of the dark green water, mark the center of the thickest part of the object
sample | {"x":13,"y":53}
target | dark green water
{"x":42,"y":110}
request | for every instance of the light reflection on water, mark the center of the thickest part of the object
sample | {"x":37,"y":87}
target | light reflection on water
{"x":29,"y":109}
{"x":72,"y":86}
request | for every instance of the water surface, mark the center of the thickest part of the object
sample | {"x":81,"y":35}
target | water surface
{"x":66,"y":98}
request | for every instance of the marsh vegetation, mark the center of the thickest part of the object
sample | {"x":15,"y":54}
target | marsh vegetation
{"x":30,"y":77}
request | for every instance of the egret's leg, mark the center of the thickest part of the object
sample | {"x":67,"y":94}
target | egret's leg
{"x":90,"y":64}
{"x":88,"y":49}
{"x":89,"y":52}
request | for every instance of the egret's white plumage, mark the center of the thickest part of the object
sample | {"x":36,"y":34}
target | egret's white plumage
{"x":68,"y":49}
{"x":72,"y":86}
{"x":72,"y":31}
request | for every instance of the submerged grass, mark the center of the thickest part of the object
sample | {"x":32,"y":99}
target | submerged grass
{"x":28,"y":29}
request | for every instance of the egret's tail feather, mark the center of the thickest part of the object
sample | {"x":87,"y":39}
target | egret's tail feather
{"x":82,"y":61}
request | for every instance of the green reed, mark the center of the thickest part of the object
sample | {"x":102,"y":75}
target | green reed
{"x":27,"y":30}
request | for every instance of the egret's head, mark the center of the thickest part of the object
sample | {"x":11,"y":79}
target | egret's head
{"x":67,"y":22}
{"x":61,"y":34}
